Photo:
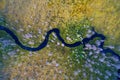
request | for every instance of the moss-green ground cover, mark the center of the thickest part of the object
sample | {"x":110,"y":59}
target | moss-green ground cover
{"x":31,"y":19}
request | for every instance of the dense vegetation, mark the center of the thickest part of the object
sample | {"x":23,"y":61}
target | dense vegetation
{"x":74,"y":18}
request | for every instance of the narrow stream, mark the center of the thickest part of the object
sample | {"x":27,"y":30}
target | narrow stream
{"x":57,"y":32}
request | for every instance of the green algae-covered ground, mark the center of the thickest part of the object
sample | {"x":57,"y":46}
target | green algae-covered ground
{"x":31,"y":19}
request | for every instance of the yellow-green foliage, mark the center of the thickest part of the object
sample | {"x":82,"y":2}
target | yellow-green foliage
{"x":46,"y":14}
{"x":45,"y":64}
{"x":2,"y":4}
{"x":104,"y":14}
{"x":105,"y":17}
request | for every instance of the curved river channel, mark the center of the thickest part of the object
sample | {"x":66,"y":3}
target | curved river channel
{"x":57,"y":32}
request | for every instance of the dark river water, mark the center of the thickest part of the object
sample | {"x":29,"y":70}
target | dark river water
{"x":57,"y":32}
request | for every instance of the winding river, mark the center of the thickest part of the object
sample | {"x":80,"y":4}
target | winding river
{"x":57,"y":32}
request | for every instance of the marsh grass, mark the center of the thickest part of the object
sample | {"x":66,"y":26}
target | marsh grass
{"x":71,"y":17}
